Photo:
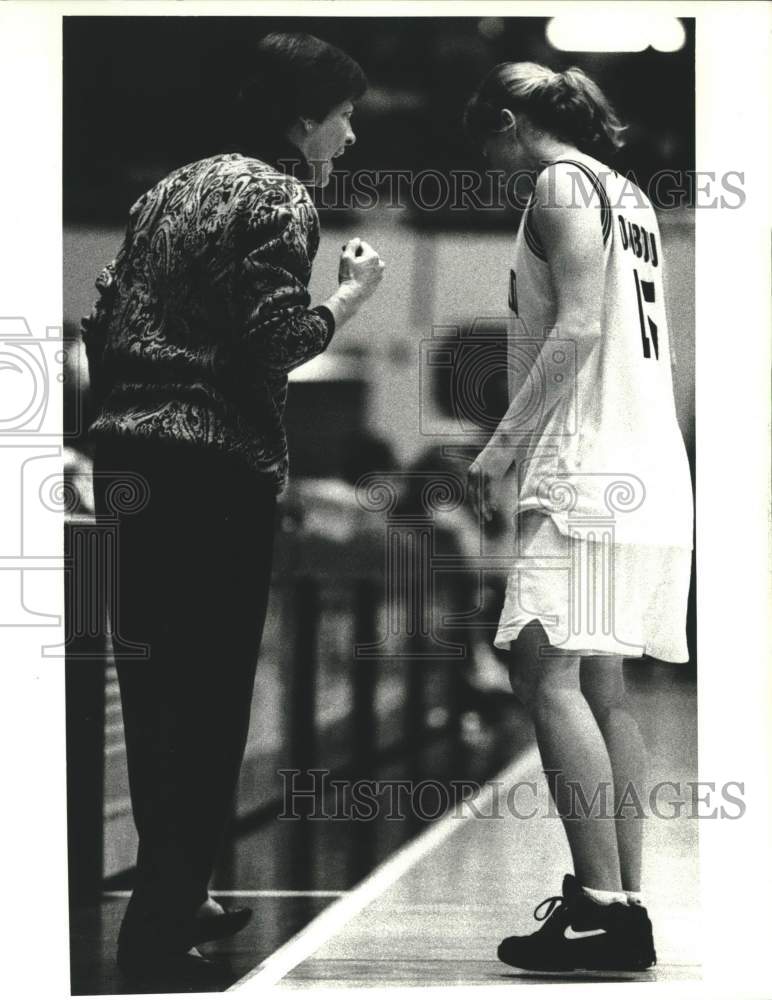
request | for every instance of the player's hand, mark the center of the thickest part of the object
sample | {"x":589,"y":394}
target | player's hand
{"x":483,"y":480}
{"x":360,"y":269}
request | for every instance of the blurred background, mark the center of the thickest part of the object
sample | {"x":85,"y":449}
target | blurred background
{"x":425,"y":695}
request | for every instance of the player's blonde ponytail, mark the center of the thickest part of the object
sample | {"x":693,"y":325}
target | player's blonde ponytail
{"x":579,"y":111}
{"x":568,"y":105}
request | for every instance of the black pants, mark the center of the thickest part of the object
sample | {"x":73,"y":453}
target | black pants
{"x":193,"y":573}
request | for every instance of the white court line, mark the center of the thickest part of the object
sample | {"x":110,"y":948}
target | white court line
{"x":253,"y":893}
{"x":331,"y":920}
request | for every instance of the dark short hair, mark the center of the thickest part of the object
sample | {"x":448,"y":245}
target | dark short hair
{"x":294,"y":75}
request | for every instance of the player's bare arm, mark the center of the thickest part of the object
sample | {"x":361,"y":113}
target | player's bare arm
{"x":573,"y":243}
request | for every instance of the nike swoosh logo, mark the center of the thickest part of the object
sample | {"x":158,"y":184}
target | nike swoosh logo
{"x":571,"y":935}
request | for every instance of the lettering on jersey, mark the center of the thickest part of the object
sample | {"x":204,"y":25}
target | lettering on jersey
{"x":639,"y":241}
{"x":513,"y":292}
{"x":645,"y":293}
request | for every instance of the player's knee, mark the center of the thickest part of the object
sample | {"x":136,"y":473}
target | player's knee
{"x":542,"y":688}
{"x":549,"y":695}
{"x":601,"y":710}
{"x":605,"y":701}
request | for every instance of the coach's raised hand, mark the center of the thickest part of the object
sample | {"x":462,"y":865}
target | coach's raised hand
{"x":360,"y":271}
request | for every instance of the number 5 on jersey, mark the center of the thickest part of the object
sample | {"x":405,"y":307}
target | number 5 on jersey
{"x":644,"y":291}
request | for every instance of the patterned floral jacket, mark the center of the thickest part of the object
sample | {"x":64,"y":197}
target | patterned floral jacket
{"x":205,"y":311}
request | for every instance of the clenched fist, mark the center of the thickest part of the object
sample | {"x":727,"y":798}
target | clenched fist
{"x":360,"y":269}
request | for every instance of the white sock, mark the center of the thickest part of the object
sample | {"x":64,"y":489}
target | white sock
{"x":635,"y":898}
{"x":605,"y":897}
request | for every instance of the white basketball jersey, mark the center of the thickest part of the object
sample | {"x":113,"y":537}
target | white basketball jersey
{"x":613,"y":448}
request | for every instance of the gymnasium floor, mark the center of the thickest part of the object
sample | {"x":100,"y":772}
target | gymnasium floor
{"x":434,"y":914}
{"x":386,"y":903}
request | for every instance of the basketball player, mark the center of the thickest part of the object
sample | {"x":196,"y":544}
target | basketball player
{"x":603,"y":489}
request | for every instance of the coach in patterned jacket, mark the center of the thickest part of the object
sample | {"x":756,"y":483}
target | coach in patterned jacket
{"x":200,"y":318}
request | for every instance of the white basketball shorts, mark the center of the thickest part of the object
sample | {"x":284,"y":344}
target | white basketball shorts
{"x":594,"y":597}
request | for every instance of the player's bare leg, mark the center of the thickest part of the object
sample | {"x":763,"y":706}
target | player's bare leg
{"x":602,"y":682}
{"x":591,"y":925}
{"x":572,"y":747}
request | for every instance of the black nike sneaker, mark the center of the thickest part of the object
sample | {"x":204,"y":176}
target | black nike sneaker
{"x":582,"y":934}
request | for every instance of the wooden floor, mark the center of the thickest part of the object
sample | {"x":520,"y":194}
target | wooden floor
{"x":435,"y":912}
{"x":289,"y":873}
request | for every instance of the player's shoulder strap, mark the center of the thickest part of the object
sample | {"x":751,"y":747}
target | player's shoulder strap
{"x":605,"y":204}
{"x":532,"y":238}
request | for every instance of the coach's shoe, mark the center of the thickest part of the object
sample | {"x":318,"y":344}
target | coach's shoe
{"x":157,"y":953}
{"x":144,"y":928}
{"x":583,"y":934}
{"x":212,"y":922}
{"x":172,"y":971}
